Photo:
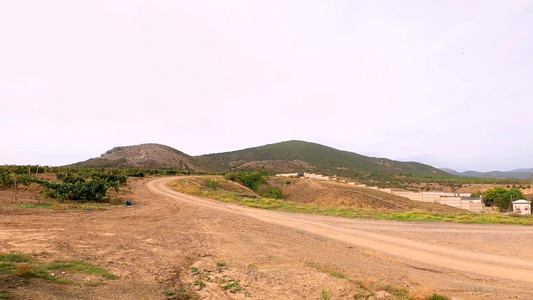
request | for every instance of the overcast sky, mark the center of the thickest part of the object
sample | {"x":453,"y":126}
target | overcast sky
{"x":446,"y":83}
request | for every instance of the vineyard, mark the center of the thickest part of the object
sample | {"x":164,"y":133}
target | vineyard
{"x":68,"y":183}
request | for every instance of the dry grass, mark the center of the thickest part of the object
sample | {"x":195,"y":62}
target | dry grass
{"x":22,"y":268}
{"x":420,"y":293}
{"x":333,"y":194}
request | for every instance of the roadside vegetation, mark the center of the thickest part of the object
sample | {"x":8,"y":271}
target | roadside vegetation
{"x":228,"y":192}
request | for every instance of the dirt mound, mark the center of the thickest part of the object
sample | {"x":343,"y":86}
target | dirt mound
{"x":333,"y":194}
{"x":145,"y":156}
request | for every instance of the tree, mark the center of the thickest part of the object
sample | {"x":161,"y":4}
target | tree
{"x":489,"y":196}
{"x":501,"y":197}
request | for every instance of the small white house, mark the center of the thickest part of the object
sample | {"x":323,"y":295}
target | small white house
{"x":522,"y":207}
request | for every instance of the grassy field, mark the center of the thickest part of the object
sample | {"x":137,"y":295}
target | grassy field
{"x":228,"y":192}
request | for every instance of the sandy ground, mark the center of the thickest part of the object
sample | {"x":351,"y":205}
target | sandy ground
{"x":169,"y":241}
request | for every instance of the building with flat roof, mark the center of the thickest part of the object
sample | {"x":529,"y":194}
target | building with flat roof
{"x":522,"y":207}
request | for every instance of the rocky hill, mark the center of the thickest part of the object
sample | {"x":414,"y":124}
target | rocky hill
{"x":153,"y":156}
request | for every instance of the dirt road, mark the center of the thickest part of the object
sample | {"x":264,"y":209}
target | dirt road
{"x":500,"y":257}
{"x":169,"y":241}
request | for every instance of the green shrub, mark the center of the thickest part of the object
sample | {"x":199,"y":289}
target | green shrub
{"x":231,"y":176}
{"x":275,"y":193}
{"x":213,"y":184}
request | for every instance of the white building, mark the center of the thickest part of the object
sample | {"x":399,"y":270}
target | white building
{"x":522,"y":207}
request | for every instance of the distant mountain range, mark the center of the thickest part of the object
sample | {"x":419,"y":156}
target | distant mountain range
{"x":513,"y":174}
{"x":290,"y":156}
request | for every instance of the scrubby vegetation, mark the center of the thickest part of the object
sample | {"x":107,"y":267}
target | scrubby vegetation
{"x":257,"y":181}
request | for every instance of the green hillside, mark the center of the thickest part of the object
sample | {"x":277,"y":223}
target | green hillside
{"x":323,"y":159}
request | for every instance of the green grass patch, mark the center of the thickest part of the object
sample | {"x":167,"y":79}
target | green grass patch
{"x":81,"y":267}
{"x":338,"y":275}
{"x":34,"y":206}
{"x":16,"y":269}
{"x":13,"y":258}
{"x":43,"y":273}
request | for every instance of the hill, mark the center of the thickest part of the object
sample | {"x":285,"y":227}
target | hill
{"x":153,"y":156}
{"x":300,"y":156}
{"x":514,"y":174}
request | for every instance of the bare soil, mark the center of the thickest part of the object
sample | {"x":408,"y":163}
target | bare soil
{"x":166,"y":242}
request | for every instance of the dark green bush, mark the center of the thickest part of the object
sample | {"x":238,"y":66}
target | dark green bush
{"x":257,"y":182}
{"x":275,"y":193}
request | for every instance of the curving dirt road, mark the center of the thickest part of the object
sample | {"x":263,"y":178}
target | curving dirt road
{"x":406,"y":242}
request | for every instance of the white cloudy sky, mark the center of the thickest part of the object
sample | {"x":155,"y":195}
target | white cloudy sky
{"x":447,"y":83}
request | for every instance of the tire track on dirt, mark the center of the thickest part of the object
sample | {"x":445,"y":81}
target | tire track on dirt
{"x":348,"y":231}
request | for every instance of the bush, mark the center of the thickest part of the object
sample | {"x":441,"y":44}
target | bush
{"x":213,"y":184}
{"x":252,"y":180}
{"x":6,"y":178}
{"x":231,"y":176}
{"x":75,"y":187}
{"x":275,"y":193}
{"x":257,"y":182}
{"x":501,"y":197}
{"x":263,"y":190}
